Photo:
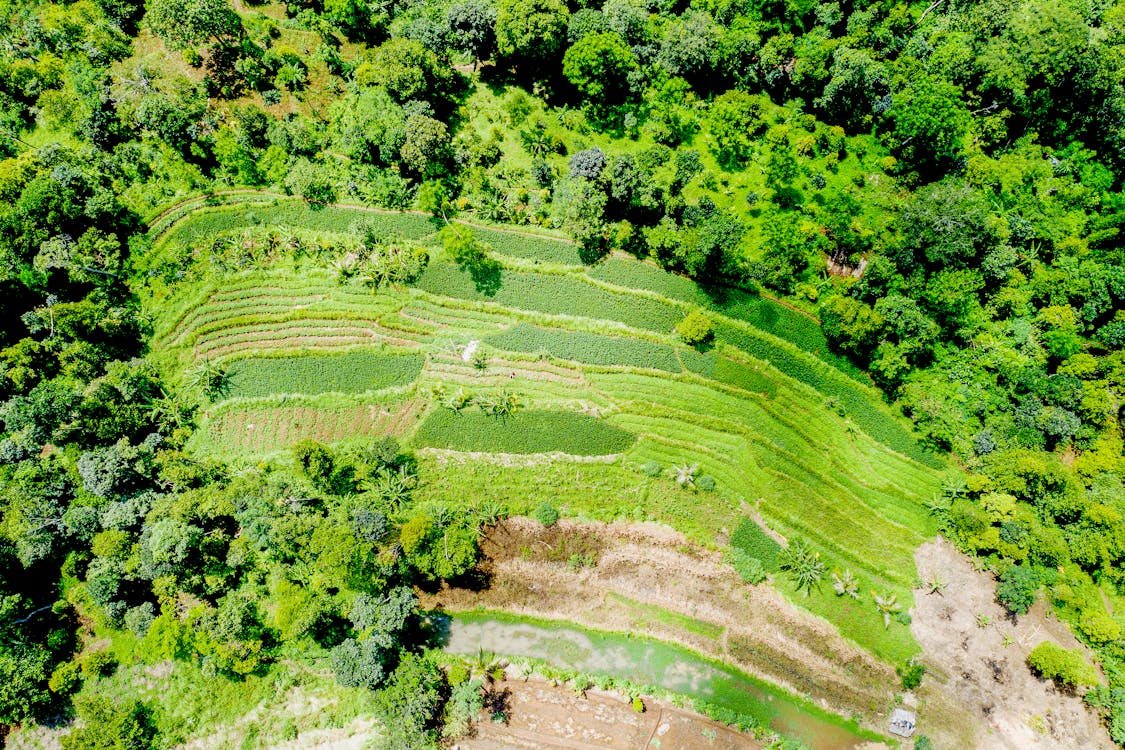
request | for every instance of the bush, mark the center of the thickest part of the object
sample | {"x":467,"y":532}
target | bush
{"x":1067,"y":668}
{"x":911,"y":674}
{"x":696,"y":329}
{"x":706,"y":483}
{"x":64,"y":679}
{"x":1017,"y":588}
{"x":98,"y":664}
{"x":546,"y":514}
{"x":751,"y":540}
{"x":749,"y":569}
{"x":652,"y":468}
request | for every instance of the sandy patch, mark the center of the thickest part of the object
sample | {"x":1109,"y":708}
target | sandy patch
{"x":979,"y":675}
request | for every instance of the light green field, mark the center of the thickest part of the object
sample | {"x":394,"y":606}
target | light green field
{"x":591,"y":360}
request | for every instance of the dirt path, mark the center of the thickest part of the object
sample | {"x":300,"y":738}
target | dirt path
{"x":977,"y":685}
{"x":650,"y":579}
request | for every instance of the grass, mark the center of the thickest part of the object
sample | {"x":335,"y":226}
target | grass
{"x":777,"y":426}
{"x":586,"y":347}
{"x":751,"y":539}
{"x":522,"y":432}
{"x":350,"y":372}
{"x":552,"y":294}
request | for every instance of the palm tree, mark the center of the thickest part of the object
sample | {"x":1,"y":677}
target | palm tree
{"x":888,"y":605}
{"x":209,"y":377}
{"x":804,"y":566}
{"x":845,"y":584}
{"x":685,"y":475}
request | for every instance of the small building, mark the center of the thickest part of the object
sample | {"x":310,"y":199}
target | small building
{"x":902,"y":722}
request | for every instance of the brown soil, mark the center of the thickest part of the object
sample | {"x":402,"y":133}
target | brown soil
{"x":639,"y":577}
{"x":979,"y":689}
{"x":542,"y":716}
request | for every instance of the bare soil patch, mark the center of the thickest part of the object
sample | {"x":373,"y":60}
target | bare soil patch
{"x":979,"y":692}
{"x":548,"y":717}
{"x":647,"y":578}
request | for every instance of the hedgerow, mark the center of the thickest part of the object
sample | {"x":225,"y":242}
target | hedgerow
{"x":587,"y":347}
{"x":522,"y":432}
{"x":350,"y":372}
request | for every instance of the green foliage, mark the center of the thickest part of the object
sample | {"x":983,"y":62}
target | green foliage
{"x":1066,"y":667}
{"x":590,"y":348}
{"x":109,"y":725}
{"x":599,"y":66}
{"x":803,"y":565}
{"x":752,"y":541}
{"x":531,"y":30}
{"x":350,"y":372}
{"x":411,"y":700}
{"x":749,"y":569}
{"x":523,"y":432}
{"x":546,"y":513}
{"x":1017,"y":588}
{"x":911,"y":673}
{"x":696,"y":329}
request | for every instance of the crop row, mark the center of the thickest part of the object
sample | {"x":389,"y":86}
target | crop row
{"x":265,"y":430}
{"x":585,"y":347}
{"x":552,"y":294}
{"x":354,"y":371}
{"x":522,"y":432}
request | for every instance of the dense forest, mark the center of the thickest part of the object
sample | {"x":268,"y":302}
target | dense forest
{"x":938,"y":183}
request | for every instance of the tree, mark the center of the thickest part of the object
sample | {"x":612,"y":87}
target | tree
{"x":426,"y":145}
{"x":734,"y":119}
{"x":187,"y":23}
{"x":888,"y":606}
{"x":472,"y":27}
{"x":856,"y":85}
{"x":804,"y":565}
{"x":696,"y":329}
{"x":1017,"y":588}
{"x":599,"y":66}
{"x":410,"y":701}
{"x":407,"y":70}
{"x":850,"y":325}
{"x":531,"y":31}
{"x":358,"y":664}
{"x":929,"y":123}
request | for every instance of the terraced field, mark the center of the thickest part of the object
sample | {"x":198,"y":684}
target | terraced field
{"x":556,"y":358}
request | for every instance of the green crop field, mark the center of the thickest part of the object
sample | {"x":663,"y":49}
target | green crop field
{"x":351,"y":372}
{"x":591,"y":358}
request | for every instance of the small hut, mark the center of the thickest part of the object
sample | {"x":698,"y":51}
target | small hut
{"x":902,"y":722}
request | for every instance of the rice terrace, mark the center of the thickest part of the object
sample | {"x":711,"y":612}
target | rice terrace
{"x":524,"y":377}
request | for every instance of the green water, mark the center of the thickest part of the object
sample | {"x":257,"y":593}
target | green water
{"x":649,"y":662}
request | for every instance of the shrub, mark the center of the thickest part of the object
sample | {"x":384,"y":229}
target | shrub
{"x":652,"y":468}
{"x":751,"y":540}
{"x":546,"y":514}
{"x":706,"y":483}
{"x":1099,"y":627}
{"x":1017,"y":588}
{"x":98,"y":664}
{"x":749,"y":569}
{"x":1067,"y":668}
{"x":696,"y":329}
{"x":314,"y":460}
{"x":911,"y":674}
{"x":64,"y":679}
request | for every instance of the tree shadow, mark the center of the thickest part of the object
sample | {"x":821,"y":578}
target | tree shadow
{"x":486,"y":273}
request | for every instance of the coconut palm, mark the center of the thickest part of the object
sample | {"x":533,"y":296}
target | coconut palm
{"x":845,"y":584}
{"x":888,"y":606}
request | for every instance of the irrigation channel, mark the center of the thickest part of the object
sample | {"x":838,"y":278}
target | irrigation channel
{"x":645,"y":661}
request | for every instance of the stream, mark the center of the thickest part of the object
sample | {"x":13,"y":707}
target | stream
{"x":649,"y":662}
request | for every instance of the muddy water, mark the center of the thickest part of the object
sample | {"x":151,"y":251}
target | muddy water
{"x":650,"y":662}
